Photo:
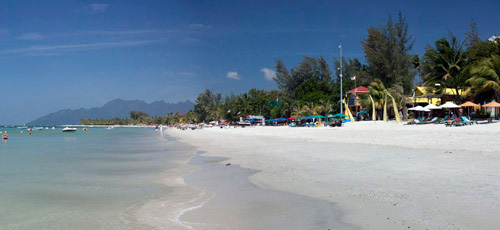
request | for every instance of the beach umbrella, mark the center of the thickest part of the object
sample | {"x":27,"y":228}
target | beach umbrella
{"x":292,"y":118}
{"x":431,"y":106}
{"x":449,"y":105}
{"x":282,"y":119}
{"x":469,"y":104}
{"x":416,"y":108}
{"x":338,"y":115}
{"x":318,"y":116}
{"x":492,"y":104}
{"x":362,"y":111}
{"x":309,"y":117}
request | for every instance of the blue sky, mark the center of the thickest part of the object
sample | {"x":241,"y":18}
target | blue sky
{"x":71,"y":54}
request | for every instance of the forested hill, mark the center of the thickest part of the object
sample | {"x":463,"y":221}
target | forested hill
{"x":116,"y":108}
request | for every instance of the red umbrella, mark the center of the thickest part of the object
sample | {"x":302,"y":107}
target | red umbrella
{"x":291,"y":118}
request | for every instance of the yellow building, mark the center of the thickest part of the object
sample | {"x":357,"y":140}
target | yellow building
{"x":426,"y":95}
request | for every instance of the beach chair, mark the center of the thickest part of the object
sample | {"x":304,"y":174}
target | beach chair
{"x":452,"y":122}
{"x":466,"y":121}
{"x":432,"y":121}
{"x":458,"y":122}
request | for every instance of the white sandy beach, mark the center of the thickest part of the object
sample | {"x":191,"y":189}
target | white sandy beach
{"x":381,"y":175}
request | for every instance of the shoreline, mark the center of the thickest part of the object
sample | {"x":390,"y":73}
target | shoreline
{"x":201,"y":187}
{"x":239,"y":204}
{"x":388,"y":180}
{"x":165,"y":212}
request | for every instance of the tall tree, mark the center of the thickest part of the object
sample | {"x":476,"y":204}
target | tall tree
{"x":446,"y":65}
{"x":485,"y":80}
{"x":206,"y":105}
{"x":387,"y":51}
{"x":308,"y":70}
{"x":472,"y":36}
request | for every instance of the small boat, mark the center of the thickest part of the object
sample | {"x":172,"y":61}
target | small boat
{"x":46,"y":127}
{"x":37,"y":128}
{"x":53,"y":127}
{"x":109,"y":127}
{"x":67,"y":129}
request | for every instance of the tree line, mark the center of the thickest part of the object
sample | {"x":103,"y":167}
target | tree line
{"x":312,"y":87}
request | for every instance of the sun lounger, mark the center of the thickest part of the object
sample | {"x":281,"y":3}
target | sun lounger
{"x":466,"y":121}
{"x":453,"y":122}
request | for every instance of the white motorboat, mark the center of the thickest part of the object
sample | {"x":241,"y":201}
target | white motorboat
{"x":67,"y":129}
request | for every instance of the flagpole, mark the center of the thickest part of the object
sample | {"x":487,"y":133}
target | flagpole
{"x":341,"y":97}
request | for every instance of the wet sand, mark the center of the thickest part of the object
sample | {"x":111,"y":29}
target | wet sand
{"x":239,"y":204}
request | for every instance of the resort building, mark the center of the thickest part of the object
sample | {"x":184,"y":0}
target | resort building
{"x":426,"y":95}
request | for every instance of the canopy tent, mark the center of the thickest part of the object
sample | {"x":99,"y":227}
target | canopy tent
{"x":449,"y":105}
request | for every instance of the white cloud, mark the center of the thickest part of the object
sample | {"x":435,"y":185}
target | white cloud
{"x":31,"y":36}
{"x":233,"y":75}
{"x":199,"y":26}
{"x":98,"y":8}
{"x":102,"y":45}
{"x":269,"y":74}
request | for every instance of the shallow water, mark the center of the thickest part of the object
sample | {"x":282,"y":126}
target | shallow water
{"x":93,"y":179}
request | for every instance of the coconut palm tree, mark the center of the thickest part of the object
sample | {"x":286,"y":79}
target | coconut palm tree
{"x":325,"y":106}
{"x":486,"y":77}
{"x":378,"y":93}
{"x":447,"y":63}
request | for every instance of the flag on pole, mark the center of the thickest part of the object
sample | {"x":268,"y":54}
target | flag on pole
{"x":353,"y":78}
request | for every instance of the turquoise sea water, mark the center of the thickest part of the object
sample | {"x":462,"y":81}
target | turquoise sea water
{"x":93,"y":179}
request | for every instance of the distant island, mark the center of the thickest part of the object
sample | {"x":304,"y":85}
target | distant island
{"x":117,"y":108}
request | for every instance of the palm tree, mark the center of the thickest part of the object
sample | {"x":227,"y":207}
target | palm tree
{"x":486,"y":77}
{"x":325,"y":106}
{"x":378,"y":92}
{"x":447,"y":64}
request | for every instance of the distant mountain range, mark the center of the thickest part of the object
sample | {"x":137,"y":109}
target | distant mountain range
{"x":115,"y":108}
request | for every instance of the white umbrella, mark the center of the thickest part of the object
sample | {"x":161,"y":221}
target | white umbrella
{"x":416,"y":108}
{"x":449,"y":105}
{"x":431,"y":106}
